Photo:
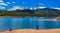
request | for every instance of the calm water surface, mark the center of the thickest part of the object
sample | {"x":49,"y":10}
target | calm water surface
{"x":31,"y":23}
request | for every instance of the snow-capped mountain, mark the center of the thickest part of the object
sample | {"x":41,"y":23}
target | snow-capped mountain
{"x":35,"y":9}
{"x":57,"y":8}
{"x":15,"y":8}
{"x":31,"y":8}
{"x":22,"y":8}
{"x":41,"y":7}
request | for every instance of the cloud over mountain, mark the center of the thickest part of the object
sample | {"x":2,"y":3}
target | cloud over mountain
{"x":16,"y":7}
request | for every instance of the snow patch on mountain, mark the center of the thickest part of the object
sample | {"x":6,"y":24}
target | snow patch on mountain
{"x":31,"y":8}
{"x":41,"y":7}
{"x":15,"y":8}
{"x":57,"y":8}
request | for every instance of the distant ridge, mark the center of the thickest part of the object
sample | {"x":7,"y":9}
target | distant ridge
{"x":22,"y":8}
{"x":31,"y":8}
{"x":50,"y":10}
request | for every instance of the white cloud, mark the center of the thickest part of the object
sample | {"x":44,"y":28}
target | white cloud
{"x":24,"y":2}
{"x":8,"y":2}
{"x":13,"y":2}
{"x":35,"y":7}
{"x":4,"y":4}
{"x":16,"y":7}
{"x":1,"y":0}
{"x":31,"y":8}
{"x":57,"y":8}
{"x":1,"y":7}
{"x":41,"y":7}
{"x":41,"y":4}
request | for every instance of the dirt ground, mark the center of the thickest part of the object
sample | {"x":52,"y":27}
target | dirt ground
{"x":33,"y":31}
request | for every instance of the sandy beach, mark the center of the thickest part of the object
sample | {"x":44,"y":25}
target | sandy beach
{"x":33,"y":31}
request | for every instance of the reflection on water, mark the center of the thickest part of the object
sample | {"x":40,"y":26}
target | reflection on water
{"x":22,"y":23}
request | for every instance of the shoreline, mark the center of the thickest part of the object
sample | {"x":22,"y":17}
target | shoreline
{"x":33,"y":31}
{"x":21,"y":16}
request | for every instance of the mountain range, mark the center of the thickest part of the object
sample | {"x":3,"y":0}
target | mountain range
{"x":36,"y":10}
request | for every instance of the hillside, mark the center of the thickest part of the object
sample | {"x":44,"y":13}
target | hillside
{"x":31,"y":13}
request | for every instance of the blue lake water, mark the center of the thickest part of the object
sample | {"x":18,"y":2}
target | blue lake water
{"x":25,"y":23}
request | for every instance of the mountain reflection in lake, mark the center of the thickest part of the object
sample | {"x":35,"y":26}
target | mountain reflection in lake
{"x":28,"y":22}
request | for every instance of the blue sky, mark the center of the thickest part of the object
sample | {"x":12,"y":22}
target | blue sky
{"x":32,"y":3}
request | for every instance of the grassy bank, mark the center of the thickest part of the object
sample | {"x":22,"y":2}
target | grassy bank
{"x":24,"y":14}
